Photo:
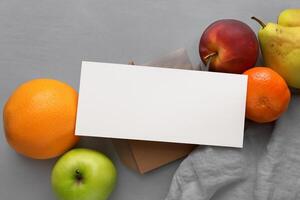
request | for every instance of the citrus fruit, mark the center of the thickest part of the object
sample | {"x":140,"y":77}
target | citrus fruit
{"x":39,"y":118}
{"x":268,"y":95}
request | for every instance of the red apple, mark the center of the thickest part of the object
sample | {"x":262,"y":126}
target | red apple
{"x":230,"y":45}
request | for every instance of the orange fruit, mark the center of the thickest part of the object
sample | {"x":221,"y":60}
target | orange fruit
{"x":39,"y":118}
{"x":268,"y":95}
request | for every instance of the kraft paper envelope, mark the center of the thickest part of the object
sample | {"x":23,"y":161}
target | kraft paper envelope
{"x":161,"y":104}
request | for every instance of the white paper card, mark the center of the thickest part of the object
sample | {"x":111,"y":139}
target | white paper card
{"x":161,"y":104}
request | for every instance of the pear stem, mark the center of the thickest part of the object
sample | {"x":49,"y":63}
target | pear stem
{"x":259,"y":21}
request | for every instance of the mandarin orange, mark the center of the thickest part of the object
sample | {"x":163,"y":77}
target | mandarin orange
{"x":268,"y":95}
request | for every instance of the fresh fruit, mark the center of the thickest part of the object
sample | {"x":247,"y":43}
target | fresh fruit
{"x":289,"y":17}
{"x":230,"y":45}
{"x":281,"y":50}
{"x":268,"y":95}
{"x":39,"y":118}
{"x":83,"y":174}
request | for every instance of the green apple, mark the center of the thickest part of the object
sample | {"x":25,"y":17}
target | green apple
{"x":83,"y":174}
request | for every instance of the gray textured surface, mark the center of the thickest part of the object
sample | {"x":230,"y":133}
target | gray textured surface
{"x":49,"y":39}
{"x":267,"y":168}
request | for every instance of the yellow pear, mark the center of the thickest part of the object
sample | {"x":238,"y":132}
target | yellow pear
{"x":280,"y":48}
{"x":289,"y":17}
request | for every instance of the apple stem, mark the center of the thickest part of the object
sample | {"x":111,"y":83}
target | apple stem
{"x":259,"y":21}
{"x":210,"y":56}
{"x":208,"y":59}
{"x":78,"y":175}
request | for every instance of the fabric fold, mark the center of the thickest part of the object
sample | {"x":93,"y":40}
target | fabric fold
{"x":267,"y":168}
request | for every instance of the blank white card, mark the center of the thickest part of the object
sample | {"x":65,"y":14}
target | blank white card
{"x":161,"y":104}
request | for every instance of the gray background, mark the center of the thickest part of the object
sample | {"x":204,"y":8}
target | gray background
{"x":49,"y":38}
